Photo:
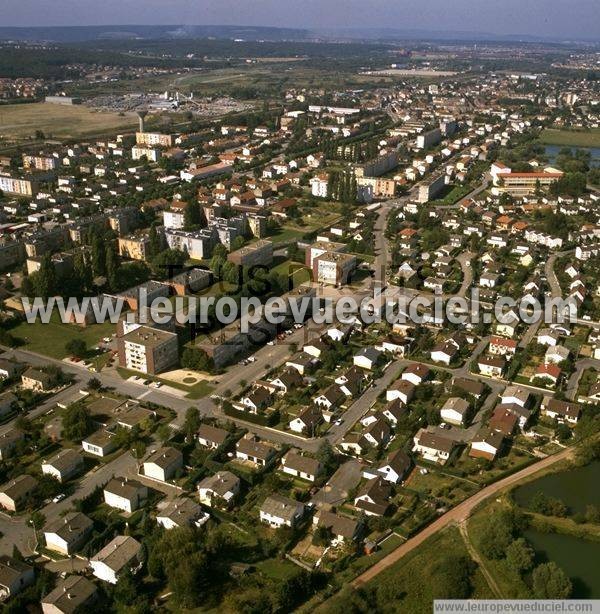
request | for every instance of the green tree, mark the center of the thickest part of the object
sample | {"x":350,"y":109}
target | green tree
{"x":45,"y":279}
{"x":192,"y":215}
{"x":76,"y":422}
{"x":192,"y":421}
{"x":520,"y":555}
{"x":76,"y":347}
{"x":551,"y":582}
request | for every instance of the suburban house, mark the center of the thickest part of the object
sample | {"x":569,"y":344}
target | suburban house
{"x":393,"y":411}
{"x":120,"y":555}
{"x":331,"y":398}
{"x":563,"y":411}
{"x":367,"y":358}
{"x":219,"y":490}
{"x":491,"y":366}
{"x":163,"y":464}
{"x":211,"y":436}
{"x":416,"y":373}
{"x":71,"y":595}
{"x":301,"y":466}
{"x":374,"y":497}
{"x":486,"y":444}
{"x":549,"y":373}
{"x":471,"y":387}
{"x":394,"y":469}
{"x":15,"y":575}
{"x":66,"y":535}
{"x":378,"y":433}
{"x":501,"y":346}
{"x":15,"y":494}
{"x":64,"y":465}
{"x":432,"y":447}
{"x":342,"y":529}
{"x":504,"y":421}
{"x":307,"y":421}
{"x":250,"y":450}
{"x":257,"y":399}
{"x":354,"y":443}
{"x":523,"y":413}
{"x":287,"y":381}
{"x":402,"y":389}
{"x":352,"y":382}
{"x":101,"y":443}
{"x":445,"y":352}
{"x":36,"y":380}
{"x":455,"y":411}
{"x":516,"y":395}
{"x":182,"y":512}
{"x":278,"y":511}
{"x":124,"y":494}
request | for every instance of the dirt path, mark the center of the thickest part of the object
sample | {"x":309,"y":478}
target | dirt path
{"x":457,"y":515}
{"x":475,"y":556}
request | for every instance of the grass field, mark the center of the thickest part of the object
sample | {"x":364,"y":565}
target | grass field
{"x":410,"y":583}
{"x":56,"y":121}
{"x":573,"y":138}
{"x":50,"y":339}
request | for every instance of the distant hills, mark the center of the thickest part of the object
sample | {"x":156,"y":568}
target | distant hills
{"x":74,"y":34}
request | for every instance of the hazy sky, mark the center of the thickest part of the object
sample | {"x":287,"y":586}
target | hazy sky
{"x":559,"y":18}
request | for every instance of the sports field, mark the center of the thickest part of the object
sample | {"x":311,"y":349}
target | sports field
{"x":20,"y":121}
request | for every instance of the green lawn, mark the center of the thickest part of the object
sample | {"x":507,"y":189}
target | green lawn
{"x":50,"y":339}
{"x":574,"y":138}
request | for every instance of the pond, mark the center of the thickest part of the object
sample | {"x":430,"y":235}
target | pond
{"x":552,"y":152}
{"x":577,"y":557}
{"x":577,"y":487}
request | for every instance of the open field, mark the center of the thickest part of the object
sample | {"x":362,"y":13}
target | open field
{"x":411,"y":583}
{"x":573,"y":138}
{"x":50,"y":339}
{"x":22,"y":120}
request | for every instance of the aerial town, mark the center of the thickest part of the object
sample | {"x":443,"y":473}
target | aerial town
{"x":368,"y":463}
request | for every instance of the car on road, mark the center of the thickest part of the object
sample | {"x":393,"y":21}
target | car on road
{"x":251,"y":358}
{"x":445,"y":426}
{"x":156,"y":384}
{"x":270,"y":342}
{"x":59,"y":498}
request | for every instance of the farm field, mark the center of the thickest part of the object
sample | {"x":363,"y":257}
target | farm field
{"x":56,"y":121}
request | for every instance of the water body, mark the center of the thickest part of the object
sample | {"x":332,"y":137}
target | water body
{"x":552,"y":152}
{"x":577,"y":487}
{"x":577,"y":557}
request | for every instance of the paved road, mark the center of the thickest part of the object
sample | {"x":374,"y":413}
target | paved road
{"x":456,"y":515}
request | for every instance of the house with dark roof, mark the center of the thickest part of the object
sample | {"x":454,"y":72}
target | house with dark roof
{"x":211,"y":436}
{"x":301,"y":466}
{"x":374,"y":497}
{"x":307,"y":421}
{"x":278,"y":511}
{"x":219,"y":490}
{"x":487,"y":444}
{"x":394,"y":469}
{"x":433,"y":447}
{"x":66,"y":535}
{"x":15,"y":576}
{"x":72,"y":595}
